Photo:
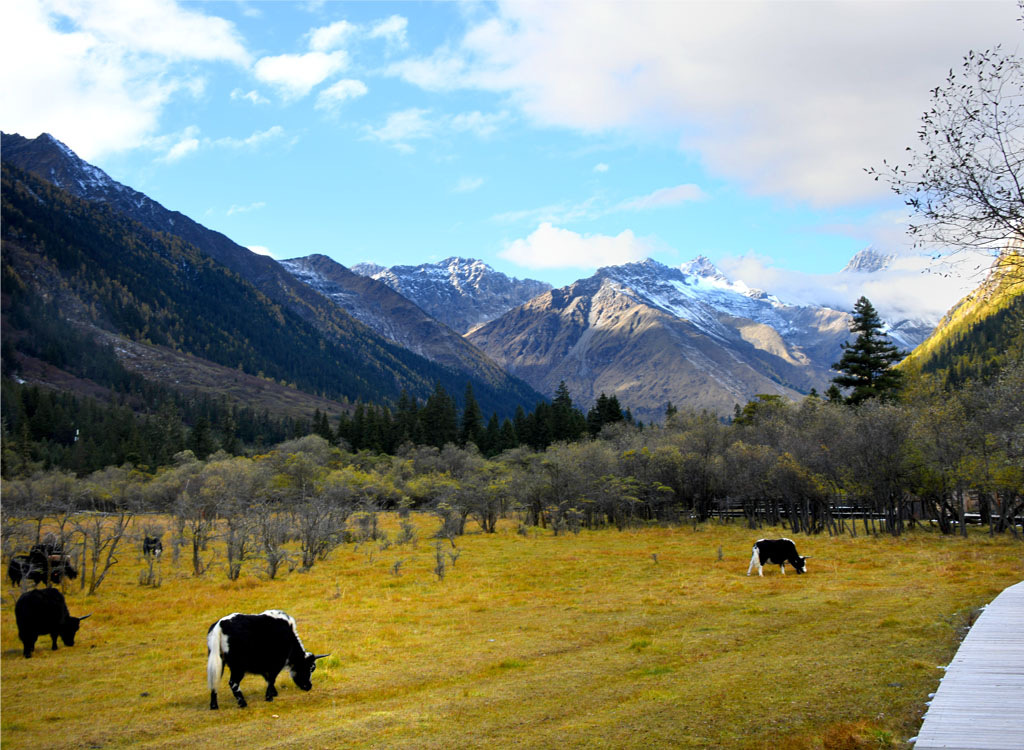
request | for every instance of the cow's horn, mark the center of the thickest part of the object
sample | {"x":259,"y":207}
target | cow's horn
{"x":85,"y":617}
{"x":808,"y":557}
{"x":320,"y":656}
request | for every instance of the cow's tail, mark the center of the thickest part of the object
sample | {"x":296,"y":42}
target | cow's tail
{"x":215,"y":664}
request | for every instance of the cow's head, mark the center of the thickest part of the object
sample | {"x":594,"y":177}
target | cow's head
{"x":70,"y":627}
{"x":302,"y":673}
{"x":800,"y":564}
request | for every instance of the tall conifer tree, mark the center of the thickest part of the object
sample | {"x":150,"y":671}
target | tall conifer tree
{"x":866,"y":366}
{"x":472,"y":425}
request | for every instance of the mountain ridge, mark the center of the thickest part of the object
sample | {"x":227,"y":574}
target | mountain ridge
{"x":649,"y":334}
{"x":397,"y":318}
{"x":463,"y":293}
{"x":979,"y":334}
{"x":398,"y":368}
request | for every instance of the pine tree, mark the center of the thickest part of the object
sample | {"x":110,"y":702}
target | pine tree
{"x":606,"y":410}
{"x":490,"y":442}
{"x":201,"y":440}
{"x":867,"y":364}
{"x":438,"y":418}
{"x":472,"y":425}
{"x":567,"y":422}
{"x":509,"y":439}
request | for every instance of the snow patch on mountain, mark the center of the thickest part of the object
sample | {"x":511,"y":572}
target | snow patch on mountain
{"x":869,"y":260}
{"x":460,"y":292}
{"x":700,"y":293}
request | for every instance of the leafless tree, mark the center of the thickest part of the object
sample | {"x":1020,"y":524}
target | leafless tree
{"x":964,"y":180}
{"x":114,"y":494}
{"x":273,"y":529}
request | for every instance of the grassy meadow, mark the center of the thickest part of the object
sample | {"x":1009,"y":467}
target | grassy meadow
{"x":640,"y":639}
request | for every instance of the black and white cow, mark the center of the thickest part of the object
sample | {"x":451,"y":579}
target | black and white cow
{"x":151,"y":545}
{"x":262,"y":644}
{"x":44,"y":612}
{"x":777,"y":551}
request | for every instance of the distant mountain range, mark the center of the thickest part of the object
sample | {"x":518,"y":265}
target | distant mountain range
{"x":393,"y":316}
{"x":651,"y":334}
{"x":352,"y":360}
{"x":463,"y":293}
{"x":645,"y":332}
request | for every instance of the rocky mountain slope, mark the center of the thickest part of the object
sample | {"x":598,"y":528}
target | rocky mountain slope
{"x":398,"y":319}
{"x":360,"y":348}
{"x":651,"y":334}
{"x":460,"y":292}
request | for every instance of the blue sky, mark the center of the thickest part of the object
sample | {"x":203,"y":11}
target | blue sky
{"x":544,"y":138}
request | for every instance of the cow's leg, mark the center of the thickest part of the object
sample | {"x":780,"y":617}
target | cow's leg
{"x":235,"y":685}
{"x":782,"y":567}
{"x":754,"y":560}
{"x":29,"y":645}
{"x":213,"y":700}
{"x":54,"y":637}
{"x":271,"y":690}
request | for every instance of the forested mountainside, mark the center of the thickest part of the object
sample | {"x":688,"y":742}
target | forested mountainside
{"x":400,"y":320}
{"x":393,"y":368}
{"x":981,"y":334}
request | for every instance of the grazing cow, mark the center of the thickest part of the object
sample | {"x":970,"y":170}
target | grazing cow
{"x":777,"y":551}
{"x":40,"y":559}
{"x":152,"y":545}
{"x":44,"y":612}
{"x":19,"y":567}
{"x":262,"y":644}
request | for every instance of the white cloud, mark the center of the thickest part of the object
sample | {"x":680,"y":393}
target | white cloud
{"x":551,"y":247}
{"x":327,"y":38}
{"x":912,"y":287}
{"x":671,"y":196}
{"x":478,"y":123}
{"x":235,"y":209}
{"x":261,"y":250}
{"x":338,"y":93}
{"x":601,"y":168}
{"x":445,"y":70}
{"x":595,"y":207}
{"x":401,"y":127}
{"x":250,"y":96}
{"x":392,"y":29}
{"x":182,"y":148}
{"x":158,"y":27}
{"x":76,"y":63}
{"x":414,"y":124}
{"x":468,"y":184}
{"x":790,"y":98}
{"x":296,"y":75}
{"x":257,"y":139}
{"x":177,"y":146}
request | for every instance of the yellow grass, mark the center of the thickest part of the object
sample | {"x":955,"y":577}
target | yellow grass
{"x":529,"y":642}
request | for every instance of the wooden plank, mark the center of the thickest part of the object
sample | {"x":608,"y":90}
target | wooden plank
{"x":980,"y":702}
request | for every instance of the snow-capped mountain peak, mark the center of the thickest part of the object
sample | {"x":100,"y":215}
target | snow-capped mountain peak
{"x":461,"y":292}
{"x":703,"y":267}
{"x":869,"y":260}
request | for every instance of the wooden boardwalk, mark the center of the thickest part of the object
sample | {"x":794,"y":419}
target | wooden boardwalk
{"x":980,"y":702}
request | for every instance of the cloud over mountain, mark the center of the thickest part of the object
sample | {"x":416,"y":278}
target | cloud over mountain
{"x":789,"y":103}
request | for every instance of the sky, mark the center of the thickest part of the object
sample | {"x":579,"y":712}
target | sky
{"x":544,"y":138}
